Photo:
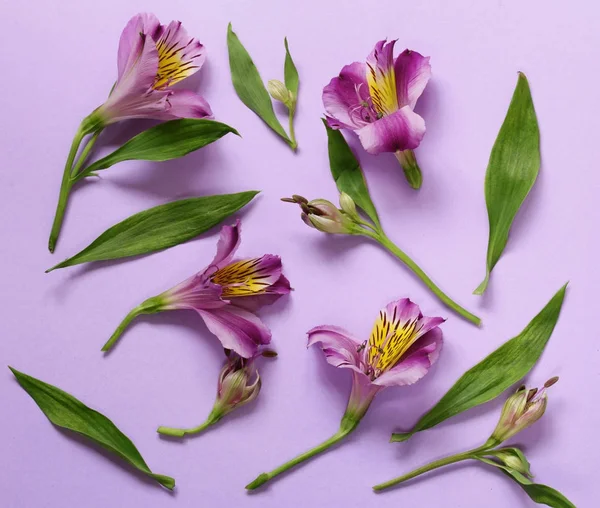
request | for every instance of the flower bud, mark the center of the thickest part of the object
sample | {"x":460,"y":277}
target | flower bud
{"x":514,"y":459}
{"x":239,"y":383}
{"x":323,"y":215}
{"x":280,"y":93}
{"x":347,"y":205}
{"x":521,"y":410}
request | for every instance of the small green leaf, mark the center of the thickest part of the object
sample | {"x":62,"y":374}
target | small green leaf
{"x":290,"y":72}
{"x":512,"y":170}
{"x":65,"y":411}
{"x":495,"y":373}
{"x":160,"y":227}
{"x":166,"y":141}
{"x":249,"y":85}
{"x":347,"y":173}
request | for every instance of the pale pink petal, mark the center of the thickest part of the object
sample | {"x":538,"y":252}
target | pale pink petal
{"x":130,"y":44}
{"x":401,"y":130}
{"x":237,"y":329}
{"x":412,"y":74}
{"x":186,"y":104}
{"x":229,"y":241}
{"x":340,"y":348}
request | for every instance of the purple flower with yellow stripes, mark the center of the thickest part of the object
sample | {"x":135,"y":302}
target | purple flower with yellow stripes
{"x":400,"y":350}
{"x":150,"y":60}
{"x":376,"y":99}
{"x":226,"y":294}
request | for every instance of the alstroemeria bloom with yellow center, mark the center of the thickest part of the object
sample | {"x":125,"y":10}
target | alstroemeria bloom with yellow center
{"x":226,"y":294}
{"x":151,"y":59}
{"x":400,"y":350}
{"x":376,"y":99}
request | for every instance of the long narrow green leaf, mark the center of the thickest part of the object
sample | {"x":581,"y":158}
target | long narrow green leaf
{"x":160,"y":227}
{"x":541,"y":494}
{"x":65,"y":411}
{"x":166,"y":141}
{"x":347,"y":173}
{"x":495,"y":373}
{"x":249,"y":85}
{"x":290,"y":73}
{"x":512,"y":170}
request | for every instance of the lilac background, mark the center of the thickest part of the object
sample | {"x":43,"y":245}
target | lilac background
{"x":59,"y":61}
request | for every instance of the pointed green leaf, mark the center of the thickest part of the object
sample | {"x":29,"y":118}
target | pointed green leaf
{"x":65,"y":411}
{"x":495,"y":373}
{"x":166,"y":141}
{"x":160,"y":227}
{"x":347,"y":173}
{"x":249,"y":85}
{"x":290,"y":72}
{"x":512,"y":170}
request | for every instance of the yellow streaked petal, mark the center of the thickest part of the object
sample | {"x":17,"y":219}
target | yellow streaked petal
{"x":389,"y":341}
{"x":243,"y":278}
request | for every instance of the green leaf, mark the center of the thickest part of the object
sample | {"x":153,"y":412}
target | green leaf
{"x":539,"y":493}
{"x":166,"y":141}
{"x":290,"y":72}
{"x":512,"y":170}
{"x":65,"y":411}
{"x":495,"y":373}
{"x":160,"y":227}
{"x":347,"y":173}
{"x":249,"y":85}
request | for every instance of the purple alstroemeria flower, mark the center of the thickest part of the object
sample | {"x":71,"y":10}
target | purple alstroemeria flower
{"x":226,"y":294}
{"x":151,"y":59}
{"x":401,"y":349}
{"x":376,"y":99}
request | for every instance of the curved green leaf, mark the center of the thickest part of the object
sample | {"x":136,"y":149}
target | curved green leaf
{"x":65,"y":411}
{"x":160,"y":227}
{"x":512,"y":170}
{"x":249,"y":85}
{"x":290,"y":72}
{"x":166,"y":141}
{"x":347,"y":173}
{"x":495,"y":373}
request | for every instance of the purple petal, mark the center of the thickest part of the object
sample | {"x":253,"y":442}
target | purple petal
{"x":416,"y":363}
{"x":179,"y":54}
{"x":401,"y":130}
{"x":237,"y":329}
{"x":340,"y":348}
{"x":273,"y":293}
{"x":186,"y":104}
{"x":412,"y":74}
{"x":194,"y":293}
{"x":130,"y":44}
{"x":382,"y":79}
{"x":344,"y":96}
{"x":229,"y":241}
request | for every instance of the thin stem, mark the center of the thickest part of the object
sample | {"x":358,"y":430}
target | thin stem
{"x":346,"y":428}
{"x":400,"y":254}
{"x":429,"y":467}
{"x":65,"y":189}
{"x":172,"y":431}
{"x":293,"y":144}
{"x":75,"y":175}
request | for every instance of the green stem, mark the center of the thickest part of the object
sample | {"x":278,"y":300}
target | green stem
{"x":293,"y":143}
{"x":150,"y":306}
{"x":400,"y":254}
{"x":346,"y":428}
{"x":172,"y":431}
{"x":65,"y":189}
{"x":75,"y":174}
{"x":431,"y":466}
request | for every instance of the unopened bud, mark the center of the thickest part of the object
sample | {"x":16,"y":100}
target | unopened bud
{"x":279,"y":92}
{"x":347,"y":205}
